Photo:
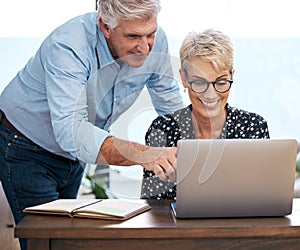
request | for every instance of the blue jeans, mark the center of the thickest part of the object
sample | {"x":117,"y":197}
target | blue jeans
{"x":31,"y":175}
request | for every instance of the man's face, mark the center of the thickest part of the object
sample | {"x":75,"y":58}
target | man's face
{"x":131,"y":41}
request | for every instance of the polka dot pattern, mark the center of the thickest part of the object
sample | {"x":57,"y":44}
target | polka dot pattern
{"x":166,"y":130}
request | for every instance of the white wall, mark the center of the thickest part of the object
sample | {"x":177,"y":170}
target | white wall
{"x":24,"y":24}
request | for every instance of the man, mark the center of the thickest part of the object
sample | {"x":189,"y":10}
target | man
{"x":57,"y":111}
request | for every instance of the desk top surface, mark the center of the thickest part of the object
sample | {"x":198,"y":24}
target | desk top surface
{"x":160,"y":217}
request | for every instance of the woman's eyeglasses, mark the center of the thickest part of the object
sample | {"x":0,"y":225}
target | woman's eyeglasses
{"x":201,"y":85}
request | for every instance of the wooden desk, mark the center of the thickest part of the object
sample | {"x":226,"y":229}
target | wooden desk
{"x":158,"y":229}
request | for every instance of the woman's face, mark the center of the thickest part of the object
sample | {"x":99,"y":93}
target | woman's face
{"x":209,"y":104}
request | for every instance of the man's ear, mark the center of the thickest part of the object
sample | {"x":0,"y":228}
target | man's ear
{"x":104,"y":27}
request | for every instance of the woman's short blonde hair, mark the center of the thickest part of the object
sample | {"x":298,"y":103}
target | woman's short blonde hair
{"x":112,"y":11}
{"x":211,"y":46}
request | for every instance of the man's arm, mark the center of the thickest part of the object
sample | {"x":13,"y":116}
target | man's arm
{"x":160,"y":160}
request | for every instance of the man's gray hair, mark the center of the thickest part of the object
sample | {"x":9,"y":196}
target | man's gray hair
{"x":112,"y":11}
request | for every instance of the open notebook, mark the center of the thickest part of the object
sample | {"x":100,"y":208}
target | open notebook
{"x":235,"y":178}
{"x":109,"y":209}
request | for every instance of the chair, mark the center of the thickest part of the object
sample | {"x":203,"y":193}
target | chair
{"x":7,"y":225}
{"x":297,"y":179}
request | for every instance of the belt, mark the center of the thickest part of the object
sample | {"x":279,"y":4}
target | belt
{"x":6,"y":123}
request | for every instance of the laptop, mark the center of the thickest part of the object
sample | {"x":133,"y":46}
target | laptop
{"x":235,"y":178}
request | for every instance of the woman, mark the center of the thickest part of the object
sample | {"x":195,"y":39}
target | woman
{"x":207,"y":74}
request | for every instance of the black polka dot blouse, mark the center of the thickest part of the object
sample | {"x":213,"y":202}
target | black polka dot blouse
{"x":166,"y":130}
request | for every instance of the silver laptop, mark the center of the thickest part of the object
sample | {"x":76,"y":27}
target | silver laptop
{"x":235,"y":178}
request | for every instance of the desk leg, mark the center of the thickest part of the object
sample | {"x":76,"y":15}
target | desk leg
{"x":38,"y":244}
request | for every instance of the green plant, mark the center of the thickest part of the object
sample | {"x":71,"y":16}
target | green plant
{"x":97,"y":187}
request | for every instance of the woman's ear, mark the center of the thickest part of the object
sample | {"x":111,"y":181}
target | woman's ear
{"x":183,"y":78}
{"x":104,"y":27}
{"x":232,"y":72}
